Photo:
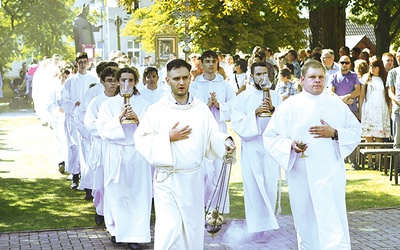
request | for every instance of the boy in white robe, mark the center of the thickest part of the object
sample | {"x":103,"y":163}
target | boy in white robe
{"x":151,"y":91}
{"x":213,"y":90}
{"x":58,"y":118}
{"x":98,"y":148}
{"x":127,"y":178}
{"x":175,"y":136}
{"x":317,"y":181}
{"x":86,"y":181}
{"x":72,"y":96}
{"x":259,"y":170}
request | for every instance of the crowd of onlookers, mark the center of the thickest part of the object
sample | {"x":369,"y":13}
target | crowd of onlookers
{"x":82,"y":102}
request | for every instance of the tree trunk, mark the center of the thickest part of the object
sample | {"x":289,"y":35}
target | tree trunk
{"x":382,"y":30}
{"x":328,"y":28}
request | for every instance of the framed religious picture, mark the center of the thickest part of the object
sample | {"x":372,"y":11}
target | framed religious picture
{"x":165,"y":46}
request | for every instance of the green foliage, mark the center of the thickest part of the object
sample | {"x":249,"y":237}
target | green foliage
{"x":385,"y":12}
{"x":34,"y":28}
{"x":223,"y":25}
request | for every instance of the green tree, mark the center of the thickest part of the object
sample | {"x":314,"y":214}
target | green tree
{"x":327,"y":23}
{"x":35,"y":28}
{"x":223,"y":25}
{"x":384,"y":15}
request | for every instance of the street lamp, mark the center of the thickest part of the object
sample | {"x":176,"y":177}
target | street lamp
{"x":118,"y":22}
{"x":185,"y":13}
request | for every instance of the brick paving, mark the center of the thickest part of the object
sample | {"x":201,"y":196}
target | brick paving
{"x":369,"y":230}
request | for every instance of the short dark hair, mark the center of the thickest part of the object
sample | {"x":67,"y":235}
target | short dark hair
{"x":271,"y":69}
{"x":148,"y":70}
{"x":178,"y":63}
{"x":285,"y":73}
{"x":208,"y":53}
{"x":346,"y":49}
{"x":81,"y":55}
{"x":293,"y":52}
{"x":242,"y":64}
{"x":290,"y":67}
{"x":100,"y":67}
{"x":107,"y":72}
{"x":261,"y":55}
{"x":111,"y":64}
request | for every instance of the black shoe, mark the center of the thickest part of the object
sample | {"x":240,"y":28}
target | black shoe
{"x":61,"y":167}
{"x":114,"y":241}
{"x":88,"y":195}
{"x":75,"y":181}
{"x":99,"y":219}
{"x":133,"y":246}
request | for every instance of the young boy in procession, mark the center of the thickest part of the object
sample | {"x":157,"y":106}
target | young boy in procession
{"x":127,"y":177}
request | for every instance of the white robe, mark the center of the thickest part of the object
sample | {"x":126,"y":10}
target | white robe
{"x":73,"y":91}
{"x":52,"y":106}
{"x":86,"y":181}
{"x":152,"y":96}
{"x":127,"y":179}
{"x":259,"y":171}
{"x":98,"y":150}
{"x":41,"y":87}
{"x":317,"y":184}
{"x":202,"y":88}
{"x":178,"y":181}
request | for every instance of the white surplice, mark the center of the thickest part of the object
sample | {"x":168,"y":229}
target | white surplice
{"x":73,"y":91}
{"x":86,"y":181}
{"x":317,"y":183}
{"x":98,"y":150}
{"x":178,"y":180}
{"x":259,"y":170}
{"x":127,"y":178}
{"x":52,"y":106}
{"x":152,"y":95}
{"x":202,"y":88}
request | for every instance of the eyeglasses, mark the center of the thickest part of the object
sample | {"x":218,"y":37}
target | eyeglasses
{"x":344,"y":63}
{"x":82,"y":61}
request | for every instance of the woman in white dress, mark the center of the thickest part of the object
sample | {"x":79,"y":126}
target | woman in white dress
{"x":375,"y":117}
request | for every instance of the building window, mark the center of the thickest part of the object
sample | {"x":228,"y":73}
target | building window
{"x":133,"y":49}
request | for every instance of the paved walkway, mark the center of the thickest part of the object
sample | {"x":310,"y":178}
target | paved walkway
{"x":371,"y":229}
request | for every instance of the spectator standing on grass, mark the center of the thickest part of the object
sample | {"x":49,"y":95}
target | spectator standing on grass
{"x":328,"y":60}
{"x":374,"y":108}
{"x":388,"y":61}
{"x":317,"y":183}
{"x":393,"y":86}
{"x":292,"y":58}
{"x":346,"y":85}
